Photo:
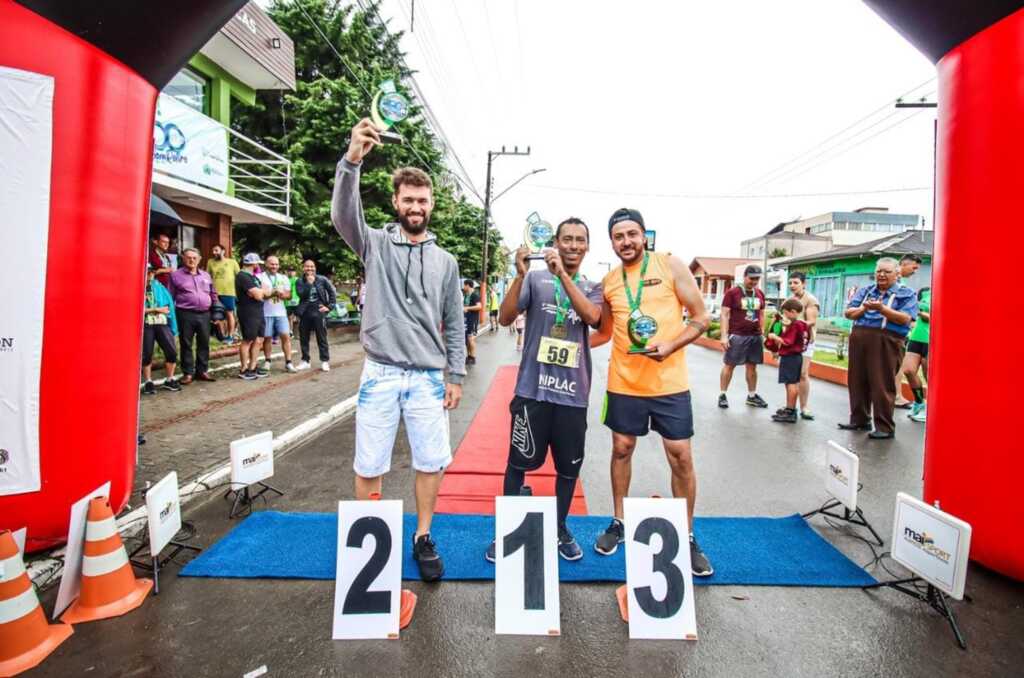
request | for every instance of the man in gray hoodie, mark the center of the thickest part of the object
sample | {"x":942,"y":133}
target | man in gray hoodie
{"x":412,"y":333}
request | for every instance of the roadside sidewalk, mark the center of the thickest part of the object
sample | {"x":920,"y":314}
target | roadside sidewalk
{"x":190,"y":431}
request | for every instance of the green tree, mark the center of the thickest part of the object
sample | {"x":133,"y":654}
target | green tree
{"x":311,"y":125}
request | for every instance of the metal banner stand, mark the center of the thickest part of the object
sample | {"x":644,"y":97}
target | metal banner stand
{"x":933,"y":596}
{"x":242,"y":505}
{"x":853,"y":517}
{"x":156,"y":562}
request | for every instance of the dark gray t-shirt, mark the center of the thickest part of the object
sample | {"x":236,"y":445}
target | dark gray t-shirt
{"x":541,"y":381}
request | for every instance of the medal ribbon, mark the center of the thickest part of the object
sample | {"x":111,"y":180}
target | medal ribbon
{"x":562,"y":303}
{"x":634,"y":303}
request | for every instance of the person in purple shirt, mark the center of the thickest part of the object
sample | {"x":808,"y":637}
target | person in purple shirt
{"x":194,"y":294}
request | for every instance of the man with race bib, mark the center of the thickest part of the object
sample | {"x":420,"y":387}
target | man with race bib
{"x":550,"y":403}
{"x":648,"y":385}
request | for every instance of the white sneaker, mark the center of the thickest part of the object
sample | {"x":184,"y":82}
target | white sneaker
{"x":290,"y":367}
{"x":325,"y":366}
{"x":302,"y":366}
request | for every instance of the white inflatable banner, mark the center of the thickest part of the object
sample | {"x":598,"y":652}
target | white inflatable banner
{"x":26,"y":141}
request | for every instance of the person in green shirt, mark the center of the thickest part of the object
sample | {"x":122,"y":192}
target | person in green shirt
{"x":293,"y":301}
{"x":223,"y":270}
{"x":917,"y":353}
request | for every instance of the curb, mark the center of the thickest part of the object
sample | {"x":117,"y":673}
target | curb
{"x":133,"y":522}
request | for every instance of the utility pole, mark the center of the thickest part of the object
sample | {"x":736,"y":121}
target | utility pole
{"x":491,"y":155}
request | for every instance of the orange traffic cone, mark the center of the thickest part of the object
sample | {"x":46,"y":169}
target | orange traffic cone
{"x":109,"y":587}
{"x":25,"y":637}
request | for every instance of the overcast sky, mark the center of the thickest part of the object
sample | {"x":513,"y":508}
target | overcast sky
{"x":675,"y":108}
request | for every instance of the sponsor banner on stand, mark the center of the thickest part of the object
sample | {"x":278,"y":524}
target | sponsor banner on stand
{"x":26,"y":139}
{"x":252,"y":459}
{"x":932,"y":544}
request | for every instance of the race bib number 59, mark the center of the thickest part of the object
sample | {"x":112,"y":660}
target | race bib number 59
{"x":559,"y":352}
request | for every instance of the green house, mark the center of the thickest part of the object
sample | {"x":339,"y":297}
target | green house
{"x":834,"y":276}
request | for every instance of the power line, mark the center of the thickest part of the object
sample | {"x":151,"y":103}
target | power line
{"x":355,"y":78}
{"x":761,"y":179}
{"x":731,"y":196}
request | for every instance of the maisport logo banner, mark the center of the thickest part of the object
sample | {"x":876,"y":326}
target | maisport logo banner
{"x":26,"y":143}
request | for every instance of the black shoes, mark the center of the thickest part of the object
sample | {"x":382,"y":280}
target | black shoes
{"x":424,"y":552}
{"x":608,"y":543}
{"x":149,"y":389}
{"x":171,"y":385}
{"x":854,"y":427}
{"x":785,"y":416}
{"x":756,"y":401}
{"x":723,"y":402}
{"x":699,"y":563}
{"x":882,"y":435}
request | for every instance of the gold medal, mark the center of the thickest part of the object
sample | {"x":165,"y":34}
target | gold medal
{"x":559,"y":331}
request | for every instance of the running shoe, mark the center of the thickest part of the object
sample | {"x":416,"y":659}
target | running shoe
{"x":804,"y":414}
{"x":263,"y":370}
{"x":608,"y":543}
{"x":787,"y":416}
{"x":756,"y":401}
{"x":325,"y":366}
{"x":149,"y":389}
{"x":289,"y":367}
{"x":915,"y":409}
{"x":171,"y":385}
{"x":248,"y":375}
{"x":699,"y":562}
{"x":921,"y":415}
{"x":424,"y":552}
{"x":489,"y":554}
{"x":304,"y":365}
{"x":723,"y":402}
{"x":567,"y":546}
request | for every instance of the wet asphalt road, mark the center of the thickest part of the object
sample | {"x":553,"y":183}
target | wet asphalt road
{"x":747,"y":465}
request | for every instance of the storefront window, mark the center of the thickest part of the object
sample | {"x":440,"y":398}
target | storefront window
{"x":188,"y":88}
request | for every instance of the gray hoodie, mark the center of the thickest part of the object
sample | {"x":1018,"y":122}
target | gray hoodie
{"x":413,"y":292}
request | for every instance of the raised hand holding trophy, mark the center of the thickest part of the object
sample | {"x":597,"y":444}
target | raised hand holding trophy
{"x":538,"y":235}
{"x":388,"y":108}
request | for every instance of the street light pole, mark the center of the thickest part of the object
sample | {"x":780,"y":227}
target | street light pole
{"x":491,"y":155}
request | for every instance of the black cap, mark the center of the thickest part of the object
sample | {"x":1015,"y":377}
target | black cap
{"x":624,"y":214}
{"x":752,"y":271}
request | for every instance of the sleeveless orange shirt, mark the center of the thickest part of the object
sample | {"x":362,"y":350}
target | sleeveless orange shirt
{"x":636,"y":374}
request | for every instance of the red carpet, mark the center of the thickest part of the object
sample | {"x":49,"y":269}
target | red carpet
{"x":475,"y":476}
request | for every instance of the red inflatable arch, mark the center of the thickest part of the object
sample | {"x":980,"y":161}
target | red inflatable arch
{"x":109,"y":59}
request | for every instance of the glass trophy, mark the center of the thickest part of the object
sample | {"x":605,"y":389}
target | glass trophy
{"x":539,"y":234}
{"x":389,"y":107}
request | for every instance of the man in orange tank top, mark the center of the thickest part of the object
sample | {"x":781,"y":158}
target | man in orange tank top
{"x":648,"y":385}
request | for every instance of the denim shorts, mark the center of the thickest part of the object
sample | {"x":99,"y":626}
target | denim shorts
{"x":275,"y":325}
{"x":387,"y":393}
{"x":227,"y":302}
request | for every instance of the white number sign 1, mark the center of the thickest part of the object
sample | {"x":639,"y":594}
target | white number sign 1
{"x":367,"y":592}
{"x":659,"y":581}
{"x":526,"y":566}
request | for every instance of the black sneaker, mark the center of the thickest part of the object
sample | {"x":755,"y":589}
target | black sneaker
{"x":262,"y":371}
{"x":489,"y":554}
{"x":470,"y":360}
{"x":424,"y":552}
{"x":756,"y":401}
{"x":171,"y":385}
{"x":248,"y":375}
{"x":567,"y":546}
{"x":785,"y":416}
{"x":149,"y":389}
{"x":723,"y":402}
{"x":806,"y":415}
{"x":699,"y":562}
{"x":608,"y":543}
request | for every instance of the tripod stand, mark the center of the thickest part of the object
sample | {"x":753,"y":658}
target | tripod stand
{"x":156,"y":562}
{"x":933,"y":596}
{"x":853,"y":517}
{"x":242,"y":505}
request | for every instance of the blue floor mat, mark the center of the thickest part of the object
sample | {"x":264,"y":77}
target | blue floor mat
{"x":751,"y":551}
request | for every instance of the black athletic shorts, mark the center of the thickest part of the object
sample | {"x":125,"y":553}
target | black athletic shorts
{"x":918,"y":347}
{"x":670,"y":415}
{"x":537,"y":425}
{"x":790,"y":367}
{"x":472,"y":324}
{"x":251,"y":325}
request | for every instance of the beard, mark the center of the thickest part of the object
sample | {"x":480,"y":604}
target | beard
{"x":631,"y":256}
{"x":414,"y":229}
